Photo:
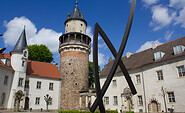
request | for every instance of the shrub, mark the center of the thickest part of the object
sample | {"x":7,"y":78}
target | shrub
{"x":130,"y":112}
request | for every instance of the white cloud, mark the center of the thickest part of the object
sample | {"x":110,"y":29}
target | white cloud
{"x":147,"y":45}
{"x":179,"y":5}
{"x":160,"y":17}
{"x":150,"y":2}
{"x":168,"y":35}
{"x":45,"y":36}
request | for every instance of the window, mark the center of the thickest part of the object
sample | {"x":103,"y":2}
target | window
{"x":114,"y":83}
{"x":50,"y":86}
{"x":81,"y":24}
{"x":50,"y":101}
{"x":26,"y":84}
{"x":115,"y":100}
{"x":73,"y":23}
{"x":23,"y":63}
{"x":38,"y":85}
{"x":181,"y":71}
{"x":20,"y":82}
{"x":37,"y":101}
{"x":138,"y":79}
{"x":80,"y":31}
{"x":178,"y":49}
{"x":6,"y":80}
{"x":140,"y":100}
{"x":160,"y":75}
{"x":2,"y":98}
{"x":171,"y":97}
{"x":25,"y":53}
{"x":106,"y":100}
{"x":158,"y":55}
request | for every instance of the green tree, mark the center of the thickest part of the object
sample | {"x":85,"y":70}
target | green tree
{"x":18,"y":98}
{"x":40,"y":53}
{"x":91,"y":76}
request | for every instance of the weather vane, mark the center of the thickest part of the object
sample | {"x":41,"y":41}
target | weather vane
{"x":100,"y":92}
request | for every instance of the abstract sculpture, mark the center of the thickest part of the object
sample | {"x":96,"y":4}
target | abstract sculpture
{"x":100,"y":92}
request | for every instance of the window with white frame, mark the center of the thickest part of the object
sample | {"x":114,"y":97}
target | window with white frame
{"x":178,"y":49}
{"x":6,"y":80}
{"x":50,"y":86}
{"x":106,"y":100}
{"x":181,"y":71}
{"x":50,"y":101}
{"x":138,"y":78}
{"x":158,"y":55}
{"x":171,"y":97}
{"x":115,"y":100}
{"x":114,"y":83}
{"x":160,"y":75}
{"x":20,"y":82}
{"x":38,"y":85}
{"x":26,"y":84}
{"x":37,"y":101}
{"x":140,"y":100}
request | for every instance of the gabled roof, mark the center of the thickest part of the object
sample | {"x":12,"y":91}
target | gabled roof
{"x":21,"y":43}
{"x":146,"y":57}
{"x":76,"y":15}
{"x":4,"y":56}
{"x":42,"y":69}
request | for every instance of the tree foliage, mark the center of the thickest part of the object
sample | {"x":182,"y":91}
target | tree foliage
{"x":91,"y":76}
{"x":40,"y":53}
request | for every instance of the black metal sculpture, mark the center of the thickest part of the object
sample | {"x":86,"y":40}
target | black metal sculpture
{"x":100,"y":92}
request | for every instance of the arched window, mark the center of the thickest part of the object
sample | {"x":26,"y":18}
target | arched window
{"x":2,"y":98}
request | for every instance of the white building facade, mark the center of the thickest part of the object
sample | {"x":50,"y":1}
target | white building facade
{"x":158,"y":75}
{"x":34,"y":79}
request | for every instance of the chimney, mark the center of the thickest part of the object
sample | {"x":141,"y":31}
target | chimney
{"x":53,"y":62}
{"x":110,"y":59}
{"x":154,"y":45}
{"x":128,"y":54}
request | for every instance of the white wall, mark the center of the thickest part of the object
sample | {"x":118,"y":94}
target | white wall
{"x":32,"y":92}
{"x":152,"y":86}
{"x":5,"y":88}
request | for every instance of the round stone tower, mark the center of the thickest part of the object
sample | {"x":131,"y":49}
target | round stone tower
{"x":74,"y":52}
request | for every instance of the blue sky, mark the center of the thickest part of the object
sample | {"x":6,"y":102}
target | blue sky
{"x":157,"y":21}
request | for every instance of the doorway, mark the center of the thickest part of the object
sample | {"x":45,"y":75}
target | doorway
{"x":26,"y":106}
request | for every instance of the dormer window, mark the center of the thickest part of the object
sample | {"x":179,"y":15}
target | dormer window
{"x":158,"y":55}
{"x":178,"y":49}
{"x":6,"y":61}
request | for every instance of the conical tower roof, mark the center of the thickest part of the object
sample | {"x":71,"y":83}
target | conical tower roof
{"x":21,"y":43}
{"x":76,"y":15}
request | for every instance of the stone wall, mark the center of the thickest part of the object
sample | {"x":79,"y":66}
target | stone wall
{"x":74,"y":70}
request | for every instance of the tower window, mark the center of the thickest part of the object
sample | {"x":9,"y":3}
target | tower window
{"x":76,"y":84}
{"x":20,"y":82}
{"x":80,"y":31}
{"x":81,"y":24}
{"x":25,"y":53}
{"x":23,"y":63}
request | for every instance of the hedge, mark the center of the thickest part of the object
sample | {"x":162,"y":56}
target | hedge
{"x":75,"y":111}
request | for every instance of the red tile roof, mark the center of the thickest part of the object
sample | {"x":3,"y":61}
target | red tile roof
{"x":5,"y":55}
{"x":147,"y":56}
{"x":42,"y":69}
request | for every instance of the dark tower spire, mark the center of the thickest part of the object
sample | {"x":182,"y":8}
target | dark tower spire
{"x":76,"y":15}
{"x":21,"y":43}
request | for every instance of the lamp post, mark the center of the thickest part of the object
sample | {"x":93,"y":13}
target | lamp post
{"x":47,"y":98}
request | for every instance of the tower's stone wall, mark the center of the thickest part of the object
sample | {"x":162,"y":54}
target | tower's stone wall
{"x":75,"y":26}
{"x":74,"y":70}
